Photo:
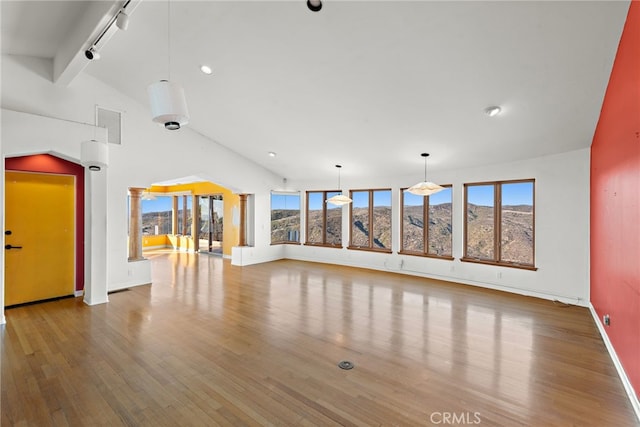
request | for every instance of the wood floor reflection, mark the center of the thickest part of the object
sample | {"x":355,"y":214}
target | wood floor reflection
{"x":213,"y":344}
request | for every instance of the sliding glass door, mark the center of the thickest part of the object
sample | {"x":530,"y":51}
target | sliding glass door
{"x":211,"y":211}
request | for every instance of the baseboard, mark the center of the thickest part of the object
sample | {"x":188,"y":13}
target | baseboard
{"x":616,"y":362}
{"x":78,"y":293}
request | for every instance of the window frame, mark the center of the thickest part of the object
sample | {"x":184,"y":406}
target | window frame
{"x":497,"y":225}
{"x":370,"y":248}
{"x":285,"y":193}
{"x":324,"y":220}
{"x":425,"y":234}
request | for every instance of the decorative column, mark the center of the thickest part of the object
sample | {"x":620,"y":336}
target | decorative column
{"x":194,"y":223}
{"x":184,"y":230}
{"x":135,"y":224}
{"x":243,"y":220}
{"x":174,"y":216}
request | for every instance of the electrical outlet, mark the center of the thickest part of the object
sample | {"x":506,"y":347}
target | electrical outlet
{"x":606,"y":320}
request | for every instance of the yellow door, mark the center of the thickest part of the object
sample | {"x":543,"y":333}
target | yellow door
{"x":39,"y":236}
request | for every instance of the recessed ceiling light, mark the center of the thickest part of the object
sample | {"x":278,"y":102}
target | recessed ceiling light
{"x":492,"y":111}
{"x":206,"y":69}
{"x":272,"y":154}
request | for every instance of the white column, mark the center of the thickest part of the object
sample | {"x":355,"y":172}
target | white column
{"x":95,"y":258}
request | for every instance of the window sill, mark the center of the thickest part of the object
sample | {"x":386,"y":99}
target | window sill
{"x":500,"y":264}
{"x":284,"y":243}
{"x":357,"y":248}
{"x":323,"y":245}
{"x":421,"y":254}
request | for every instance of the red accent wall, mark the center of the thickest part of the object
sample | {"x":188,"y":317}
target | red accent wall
{"x":46,"y":163}
{"x":615,"y":202}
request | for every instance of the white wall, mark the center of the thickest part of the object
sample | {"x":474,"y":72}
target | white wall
{"x":561,"y":230}
{"x":148,"y":153}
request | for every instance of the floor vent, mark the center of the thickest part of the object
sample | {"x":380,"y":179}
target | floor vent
{"x":345,"y":364}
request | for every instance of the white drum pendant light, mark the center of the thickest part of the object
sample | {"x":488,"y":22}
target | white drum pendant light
{"x":94,"y":155}
{"x":168,"y":104}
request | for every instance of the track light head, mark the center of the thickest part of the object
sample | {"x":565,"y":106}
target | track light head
{"x":314,"y":5}
{"x":122,"y":21}
{"x":92,"y":53}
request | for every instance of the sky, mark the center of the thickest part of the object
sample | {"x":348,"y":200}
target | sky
{"x":438,"y":198}
{"x":512,"y":194}
{"x":520,"y":193}
{"x":160,"y":204}
{"x":165,"y":203}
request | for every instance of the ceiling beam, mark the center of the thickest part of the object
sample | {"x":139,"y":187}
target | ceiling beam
{"x":70,"y":58}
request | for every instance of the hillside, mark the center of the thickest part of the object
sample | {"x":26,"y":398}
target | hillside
{"x":517,"y":229}
{"x":440,"y":229}
{"x":517,"y":233}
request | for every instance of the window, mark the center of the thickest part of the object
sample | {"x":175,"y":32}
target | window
{"x":285,"y":217}
{"x":370,"y":214}
{"x":499,"y":223}
{"x":324,"y":220}
{"x":156,"y":215}
{"x":185,"y":218}
{"x":435,"y":211}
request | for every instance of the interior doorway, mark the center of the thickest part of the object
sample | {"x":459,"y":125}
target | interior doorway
{"x":39,"y":236}
{"x":210,"y":223}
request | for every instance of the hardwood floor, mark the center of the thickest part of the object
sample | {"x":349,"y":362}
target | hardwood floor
{"x":213,"y":344}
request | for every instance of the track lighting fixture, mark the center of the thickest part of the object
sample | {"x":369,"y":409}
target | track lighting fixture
{"x":314,"y":5}
{"x":92,"y":53}
{"x":122,"y":20}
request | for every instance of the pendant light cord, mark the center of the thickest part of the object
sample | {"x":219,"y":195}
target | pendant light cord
{"x":425,"y":169}
{"x":169,"y":38}
{"x":425,"y":155}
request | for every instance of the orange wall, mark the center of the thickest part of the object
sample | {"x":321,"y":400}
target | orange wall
{"x":153,"y":240}
{"x":615,"y":203}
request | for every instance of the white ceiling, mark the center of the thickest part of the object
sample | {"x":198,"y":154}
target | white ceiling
{"x":367,"y":84}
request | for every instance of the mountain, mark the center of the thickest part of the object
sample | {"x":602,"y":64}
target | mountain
{"x":517,"y":229}
{"x":516,"y":238}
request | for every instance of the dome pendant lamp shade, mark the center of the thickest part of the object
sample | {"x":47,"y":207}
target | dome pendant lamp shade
{"x":94,"y":155}
{"x":339,"y":199}
{"x":168,"y":104}
{"x":424,"y":188}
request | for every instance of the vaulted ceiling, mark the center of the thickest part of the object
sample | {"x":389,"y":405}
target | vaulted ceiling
{"x":368,"y":84}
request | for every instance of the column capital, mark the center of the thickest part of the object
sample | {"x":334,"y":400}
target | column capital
{"x":136,"y":191}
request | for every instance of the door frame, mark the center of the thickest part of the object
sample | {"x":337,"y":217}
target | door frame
{"x":47,"y":163}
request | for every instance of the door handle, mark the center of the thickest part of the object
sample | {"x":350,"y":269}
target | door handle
{"x":12,"y":247}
